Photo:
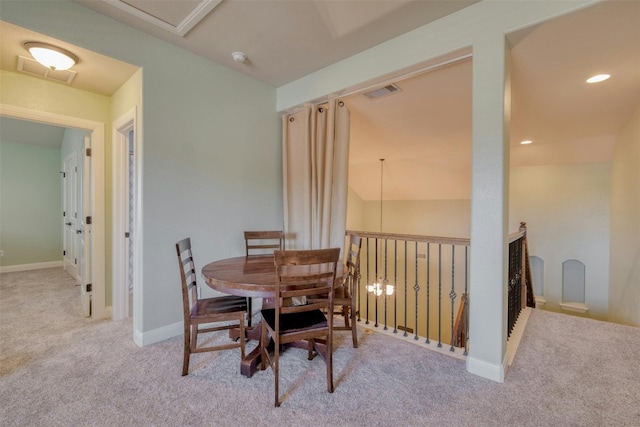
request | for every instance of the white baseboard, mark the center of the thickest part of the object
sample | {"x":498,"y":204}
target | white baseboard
{"x":487,"y":370}
{"x":27,"y":267}
{"x":156,"y":335}
{"x":576,"y":307}
{"x":516,"y":333}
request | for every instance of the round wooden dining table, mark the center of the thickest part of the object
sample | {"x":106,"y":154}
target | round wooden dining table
{"x":248,"y":276}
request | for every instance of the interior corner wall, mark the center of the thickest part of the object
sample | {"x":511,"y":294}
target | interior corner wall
{"x":624,"y":278}
{"x":30,"y":204}
{"x":356,"y":213}
{"x":554,"y":201}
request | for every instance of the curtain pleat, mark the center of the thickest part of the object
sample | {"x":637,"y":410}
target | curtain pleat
{"x":315,"y":175}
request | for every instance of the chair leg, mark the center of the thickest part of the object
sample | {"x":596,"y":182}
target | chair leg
{"x":345,"y":313}
{"x":242,"y":337}
{"x":249,"y":312}
{"x":263,"y":347}
{"x":310,"y":346}
{"x":354,"y":330}
{"x":187,"y":350}
{"x":329,"y":362}
{"x":276,"y":368}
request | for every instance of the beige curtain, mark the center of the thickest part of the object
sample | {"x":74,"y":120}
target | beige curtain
{"x":315,"y":175}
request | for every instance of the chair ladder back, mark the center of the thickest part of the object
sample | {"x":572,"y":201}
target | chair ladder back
{"x":187,"y":274}
{"x":263,"y":242}
{"x":305,"y":273}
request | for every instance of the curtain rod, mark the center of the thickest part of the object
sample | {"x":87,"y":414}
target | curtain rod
{"x":383,"y":83}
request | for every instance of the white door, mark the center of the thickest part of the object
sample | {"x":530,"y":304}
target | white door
{"x":70,"y":213}
{"x":85,"y":230}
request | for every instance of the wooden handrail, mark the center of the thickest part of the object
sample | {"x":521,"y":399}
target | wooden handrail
{"x":414,"y":238}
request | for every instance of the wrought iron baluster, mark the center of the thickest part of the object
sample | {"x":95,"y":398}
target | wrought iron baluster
{"x":466,"y":302}
{"x":385,"y":283}
{"x":367,"y":294}
{"x":374,"y":291}
{"x":416,"y":288}
{"x":452,"y":294}
{"x":439,"y":295}
{"x":405,"y":290}
{"x":428,"y":291}
{"x":395,"y":283}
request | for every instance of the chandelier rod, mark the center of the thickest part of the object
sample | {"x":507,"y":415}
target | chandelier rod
{"x":381,"y":187}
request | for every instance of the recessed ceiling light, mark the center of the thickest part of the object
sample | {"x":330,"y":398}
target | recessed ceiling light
{"x":598,"y":78}
{"x":526,"y":141}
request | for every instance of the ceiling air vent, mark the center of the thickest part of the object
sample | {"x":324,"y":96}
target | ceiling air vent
{"x":30,"y":66}
{"x":383,"y":91}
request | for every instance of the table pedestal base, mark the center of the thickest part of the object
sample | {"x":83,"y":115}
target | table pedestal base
{"x":249,"y":365}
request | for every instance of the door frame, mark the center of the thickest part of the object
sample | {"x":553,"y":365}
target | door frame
{"x":97,"y":189}
{"x":120,"y":215}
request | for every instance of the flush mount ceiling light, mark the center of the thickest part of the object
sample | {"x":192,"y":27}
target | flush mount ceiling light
{"x":598,"y":78}
{"x":526,"y":141}
{"x":52,"y":57}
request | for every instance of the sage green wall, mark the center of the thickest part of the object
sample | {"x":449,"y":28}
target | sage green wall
{"x":624,"y":291}
{"x":211,"y":156}
{"x":356,"y":214}
{"x":30,"y":204}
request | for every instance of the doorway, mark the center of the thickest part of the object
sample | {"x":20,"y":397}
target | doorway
{"x":126,"y":224}
{"x":95,"y":282}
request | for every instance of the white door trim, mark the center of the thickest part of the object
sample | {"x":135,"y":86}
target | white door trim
{"x":98,"y":190}
{"x":120,"y":214}
{"x":120,"y":250}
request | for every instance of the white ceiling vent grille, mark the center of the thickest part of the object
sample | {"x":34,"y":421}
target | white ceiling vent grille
{"x":383,"y":91}
{"x":30,"y":66}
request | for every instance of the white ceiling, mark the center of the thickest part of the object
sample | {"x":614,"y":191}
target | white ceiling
{"x":283,"y":40}
{"x":423,"y":132}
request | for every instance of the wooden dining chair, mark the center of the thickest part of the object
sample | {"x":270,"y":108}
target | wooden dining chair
{"x":206,"y":311}
{"x":344,"y":296}
{"x":261,"y":243}
{"x":309,"y":274}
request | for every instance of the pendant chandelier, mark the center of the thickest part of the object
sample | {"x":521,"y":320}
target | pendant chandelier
{"x":381,"y":284}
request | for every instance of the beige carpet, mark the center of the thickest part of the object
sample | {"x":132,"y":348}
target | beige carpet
{"x":59,"y":369}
